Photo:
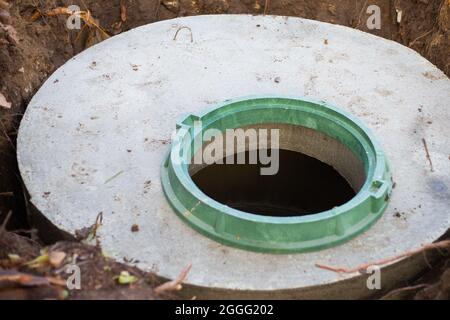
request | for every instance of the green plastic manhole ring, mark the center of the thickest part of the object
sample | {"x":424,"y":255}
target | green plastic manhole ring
{"x":269,"y":233}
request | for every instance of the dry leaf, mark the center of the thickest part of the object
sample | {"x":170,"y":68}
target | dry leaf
{"x":126,"y":278}
{"x":4,"y":103}
{"x":14,"y":258}
{"x":56,"y":258}
{"x":38,"y":262}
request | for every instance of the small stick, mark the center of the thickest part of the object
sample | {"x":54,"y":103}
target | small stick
{"x":97,"y":224}
{"x":424,"y":253}
{"x":43,"y":18}
{"x":405,"y":289}
{"x":6,"y":135}
{"x":27,"y":205}
{"x":436,"y":245}
{"x":7,"y":194}
{"x":31,"y":280}
{"x":420,"y":37}
{"x":114,"y":176}
{"x":266,"y":7}
{"x":123,"y":11}
{"x":183,"y":27}
{"x":174,"y":285}
{"x":5,"y":222}
{"x":427,"y":154}
{"x":360,"y":14}
{"x":158,"y":5}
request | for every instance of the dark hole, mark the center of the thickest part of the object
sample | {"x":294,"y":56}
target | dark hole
{"x":303,"y":185}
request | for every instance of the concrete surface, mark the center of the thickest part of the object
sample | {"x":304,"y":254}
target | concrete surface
{"x":94,"y":136}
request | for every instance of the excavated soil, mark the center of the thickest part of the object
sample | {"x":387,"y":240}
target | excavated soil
{"x":34,"y":41}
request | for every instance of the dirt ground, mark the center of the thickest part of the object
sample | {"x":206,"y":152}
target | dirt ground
{"x":29,"y":271}
{"x":34,"y":41}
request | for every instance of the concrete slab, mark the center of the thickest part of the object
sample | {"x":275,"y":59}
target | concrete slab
{"x":94,"y":136}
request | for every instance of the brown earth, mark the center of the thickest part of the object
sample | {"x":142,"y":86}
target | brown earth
{"x":29,"y":271}
{"x":34,"y":41}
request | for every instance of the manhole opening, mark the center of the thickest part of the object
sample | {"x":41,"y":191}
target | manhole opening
{"x":330,"y":183}
{"x":315,"y":173}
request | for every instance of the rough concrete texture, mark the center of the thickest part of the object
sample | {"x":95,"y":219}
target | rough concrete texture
{"x":94,"y":136}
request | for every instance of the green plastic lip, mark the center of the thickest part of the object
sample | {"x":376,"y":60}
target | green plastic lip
{"x":279,"y":234}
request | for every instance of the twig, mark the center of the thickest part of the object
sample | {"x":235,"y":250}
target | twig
{"x":31,"y":280}
{"x":158,"y":5}
{"x":27,"y":205}
{"x":84,"y":15}
{"x":6,"y":135}
{"x":427,"y":154}
{"x":27,"y":231}
{"x":360,"y":14}
{"x":174,"y":285}
{"x":420,"y":37}
{"x":394,"y":293}
{"x":266,"y":7}
{"x":17,"y":114}
{"x":424,"y":254}
{"x":43,"y":18}
{"x":436,"y":245}
{"x":97,"y":224}
{"x":57,"y":281}
{"x":183,"y":27}
{"x":123,"y":11}
{"x":84,"y":5}
{"x":114,"y":176}
{"x":7,"y":194}
{"x":80,"y":32}
{"x":5,"y":222}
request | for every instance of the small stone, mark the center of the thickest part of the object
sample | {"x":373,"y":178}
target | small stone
{"x":5,"y":17}
{"x":4,"y":5}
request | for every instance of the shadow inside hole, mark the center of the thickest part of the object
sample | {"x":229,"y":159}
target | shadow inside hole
{"x":303,"y":185}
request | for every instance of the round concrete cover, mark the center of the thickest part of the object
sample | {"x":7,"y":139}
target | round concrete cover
{"x":94,"y":137}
